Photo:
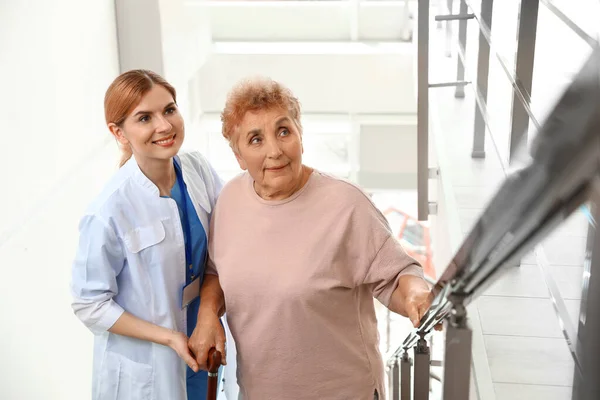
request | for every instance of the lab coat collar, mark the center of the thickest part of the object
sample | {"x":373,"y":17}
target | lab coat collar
{"x":133,"y":169}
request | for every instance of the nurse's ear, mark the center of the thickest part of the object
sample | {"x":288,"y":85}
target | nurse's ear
{"x":117,"y":132}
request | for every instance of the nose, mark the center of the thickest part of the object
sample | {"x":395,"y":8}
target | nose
{"x":163,"y":125}
{"x":273,"y":149}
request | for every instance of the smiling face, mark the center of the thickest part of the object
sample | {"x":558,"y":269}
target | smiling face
{"x":154,"y":129}
{"x":268,"y":145}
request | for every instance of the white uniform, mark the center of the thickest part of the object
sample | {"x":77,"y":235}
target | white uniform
{"x":131,"y":257}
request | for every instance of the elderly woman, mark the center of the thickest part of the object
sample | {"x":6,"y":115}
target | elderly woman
{"x":299,"y":255}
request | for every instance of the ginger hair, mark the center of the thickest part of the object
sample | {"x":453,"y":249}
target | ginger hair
{"x":255,"y":94}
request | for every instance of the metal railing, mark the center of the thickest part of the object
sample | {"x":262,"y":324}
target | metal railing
{"x":520,"y":77}
{"x":562,"y":173}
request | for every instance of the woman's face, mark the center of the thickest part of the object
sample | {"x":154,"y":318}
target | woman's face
{"x":269,"y":147}
{"x":154,"y":129}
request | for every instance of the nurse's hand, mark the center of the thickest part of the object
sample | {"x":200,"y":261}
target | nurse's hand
{"x":208,"y":333}
{"x":178,"y":341}
{"x":132,"y":326}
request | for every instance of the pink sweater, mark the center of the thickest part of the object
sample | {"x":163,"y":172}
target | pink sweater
{"x":299,"y":277}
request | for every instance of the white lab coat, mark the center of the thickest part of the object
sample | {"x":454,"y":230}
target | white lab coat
{"x":131,"y":257}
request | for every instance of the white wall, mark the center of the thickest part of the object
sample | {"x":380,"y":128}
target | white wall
{"x":327,"y":78}
{"x":388,"y":156}
{"x":186,"y":45}
{"x":139,"y":34}
{"x":163,"y":36}
{"x":57,"y":58}
{"x":304,"y":20}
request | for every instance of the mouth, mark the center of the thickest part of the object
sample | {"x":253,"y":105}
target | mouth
{"x":166,"y":142}
{"x":278,"y":168}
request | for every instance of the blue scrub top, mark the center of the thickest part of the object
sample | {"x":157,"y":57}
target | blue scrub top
{"x":196,"y":382}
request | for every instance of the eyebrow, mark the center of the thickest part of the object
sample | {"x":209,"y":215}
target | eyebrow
{"x":171,"y":104}
{"x":280,"y":121}
{"x":256,"y":131}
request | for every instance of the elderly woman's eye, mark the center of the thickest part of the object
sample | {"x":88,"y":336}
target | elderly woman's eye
{"x":284,"y":132}
{"x":255,"y":140}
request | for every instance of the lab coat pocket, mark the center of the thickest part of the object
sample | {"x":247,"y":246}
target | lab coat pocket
{"x":124,"y":379}
{"x":145,"y":236}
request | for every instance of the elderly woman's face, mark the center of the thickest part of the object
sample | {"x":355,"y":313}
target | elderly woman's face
{"x":269,"y":147}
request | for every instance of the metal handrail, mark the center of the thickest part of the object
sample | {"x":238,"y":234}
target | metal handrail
{"x":565,"y":160}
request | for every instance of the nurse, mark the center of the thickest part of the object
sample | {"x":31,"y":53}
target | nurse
{"x":142,"y":250}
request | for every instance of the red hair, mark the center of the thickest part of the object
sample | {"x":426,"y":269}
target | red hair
{"x":256,"y":94}
{"x":125,"y":93}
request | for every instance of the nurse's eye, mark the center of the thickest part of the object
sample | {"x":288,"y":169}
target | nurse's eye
{"x":144,"y":118}
{"x":170,"y":110}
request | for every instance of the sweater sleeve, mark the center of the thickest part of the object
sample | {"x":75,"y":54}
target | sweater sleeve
{"x":389,"y":264}
{"x":380,"y":258}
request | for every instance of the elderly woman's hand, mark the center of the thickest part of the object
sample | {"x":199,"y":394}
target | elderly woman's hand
{"x":208,"y":333}
{"x":416,"y":303}
{"x":412,"y":298}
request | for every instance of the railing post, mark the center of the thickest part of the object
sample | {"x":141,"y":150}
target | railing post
{"x":457,"y":358}
{"x":394,"y":376}
{"x":405,"y":379}
{"x":423,"y":110}
{"x":388,"y":329}
{"x":422,"y":365}
{"x":586,"y":386}
{"x":462,"y":43}
{"x":528,"y":17}
{"x":483,"y":68}
{"x":449,"y":30}
{"x":407,"y":28}
{"x":440,"y":7}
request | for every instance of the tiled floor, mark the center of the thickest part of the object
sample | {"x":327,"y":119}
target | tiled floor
{"x":529,"y":360}
{"x":531,"y":392}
